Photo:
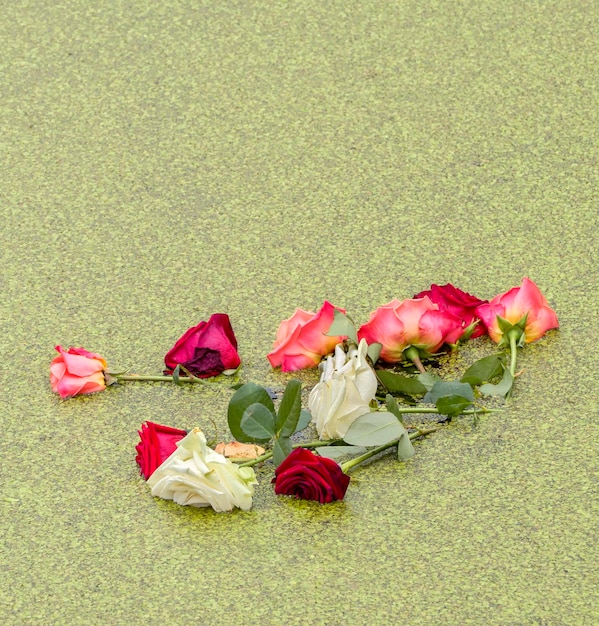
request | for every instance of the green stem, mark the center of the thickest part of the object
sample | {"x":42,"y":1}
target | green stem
{"x":423,"y":409}
{"x":310,"y":444}
{"x":413,"y":355}
{"x":513,"y":337}
{"x":142,"y":377}
{"x":345,"y":467}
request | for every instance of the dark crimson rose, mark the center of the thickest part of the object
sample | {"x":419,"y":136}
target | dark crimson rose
{"x":458,"y":302}
{"x":206,"y":349}
{"x":309,"y":477}
{"x":156,"y":444}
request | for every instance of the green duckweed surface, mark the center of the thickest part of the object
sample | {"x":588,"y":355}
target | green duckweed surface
{"x":164,"y":161}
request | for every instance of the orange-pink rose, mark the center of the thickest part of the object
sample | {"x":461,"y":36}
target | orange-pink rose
{"x":76,"y":372}
{"x":416,"y":322}
{"x":513,"y":305}
{"x":302,"y":340}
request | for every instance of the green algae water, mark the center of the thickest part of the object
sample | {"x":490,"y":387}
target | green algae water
{"x":162,"y":163}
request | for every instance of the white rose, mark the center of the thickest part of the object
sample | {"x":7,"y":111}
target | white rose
{"x":196,"y":475}
{"x":347,"y":385}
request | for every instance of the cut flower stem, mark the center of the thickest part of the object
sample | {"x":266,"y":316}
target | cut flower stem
{"x":426,"y":409}
{"x":309,"y":444}
{"x":143,"y":377}
{"x":345,"y":467}
{"x":421,"y":432}
{"x":513,"y":337}
{"x":413,"y":355}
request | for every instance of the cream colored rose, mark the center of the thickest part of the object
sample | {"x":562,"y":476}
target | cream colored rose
{"x":196,"y":475}
{"x":347,"y":385}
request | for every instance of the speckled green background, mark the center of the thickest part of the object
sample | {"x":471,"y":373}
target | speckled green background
{"x":163,"y":161}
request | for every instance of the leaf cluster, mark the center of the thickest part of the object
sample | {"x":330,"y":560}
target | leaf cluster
{"x":253,"y":418}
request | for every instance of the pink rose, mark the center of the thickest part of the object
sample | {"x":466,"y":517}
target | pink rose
{"x":156,"y":444}
{"x":416,"y":322}
{"x":302,"y":340}
{"x":207,"y":349}
{"x":458,"y":302}
{"x":76,"y":372}
{"x":513,"y":305}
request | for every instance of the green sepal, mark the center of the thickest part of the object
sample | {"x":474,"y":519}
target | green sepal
{"x":506,"y":327}
{"x":176,"y":375}
{"x":343,"y":326}
{"x":374,"y":351}
{"x":468,"y":331}
{"x":374,"y":429}
{"x":110,"y":379}
{"x":289,"y":409}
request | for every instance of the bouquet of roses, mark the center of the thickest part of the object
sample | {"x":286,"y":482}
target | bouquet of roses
{"x":370,"y":378}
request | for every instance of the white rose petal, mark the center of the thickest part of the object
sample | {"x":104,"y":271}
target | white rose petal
{"x":196,"y":475}
{"x":346,"y":387}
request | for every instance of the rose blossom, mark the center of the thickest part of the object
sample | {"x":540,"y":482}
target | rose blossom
{"x":458,"y":302}
{"x":207,"y":349}
{"x":347,"y":385}
{"x":302,"y":341}
{"x":157,"y":443}
{"x":513,"y":305}
{"x":198,"y":476}
{"x":76,"y":372}
{"x":413,"y":322}
{"x":309,"y":477}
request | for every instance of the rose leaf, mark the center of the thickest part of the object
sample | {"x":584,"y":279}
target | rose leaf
{"x":258,"y":423}
{"x":483,"y":370}
{"x":442,"y":388}
{"x":281,"y":450}
{"x":405,"y":449}
{"x":289,"y":409}
{"x":396,"y":383}
{"x":245,"y":396}
{"x":393,"y":407}
{"x":374,"y":429}
{"x":502,"y":388}
{"x":304,"y":419}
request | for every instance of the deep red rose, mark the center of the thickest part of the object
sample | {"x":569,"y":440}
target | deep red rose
{"x":309,"y":477}
{"x":156,"y":444}
{"x":457,"y":302}
{"x":206,"y":349}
